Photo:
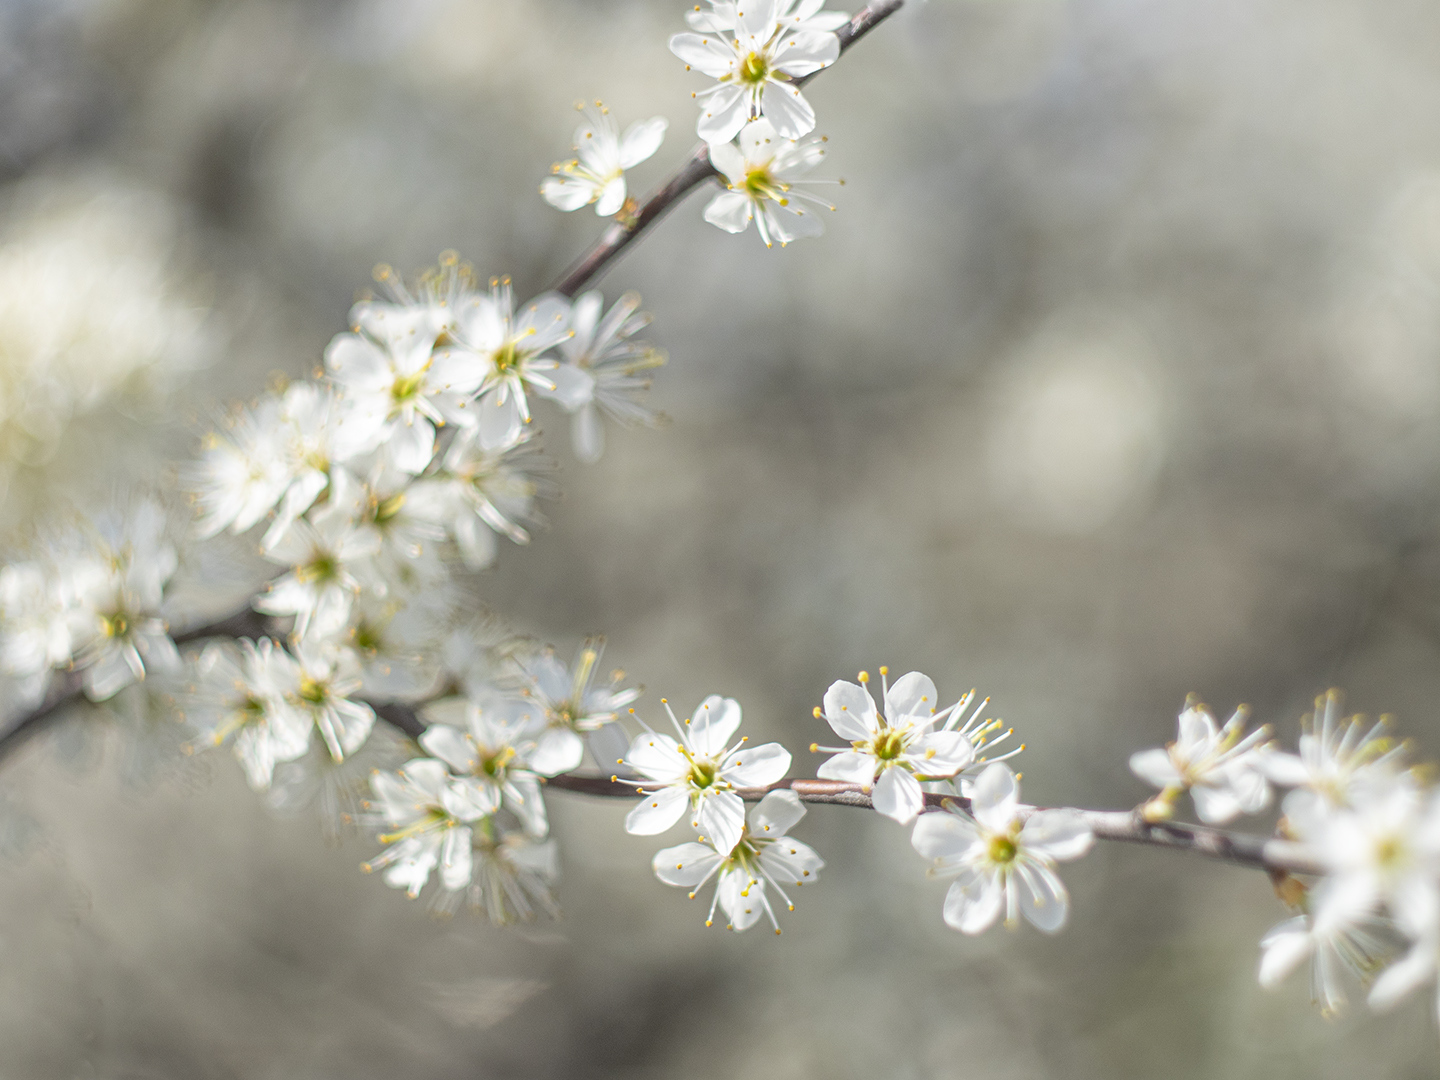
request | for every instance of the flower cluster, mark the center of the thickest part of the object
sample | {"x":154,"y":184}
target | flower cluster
{"x":1221,"y":767}
{"x":92,"y":597}
{"x":700,"y":770}
{"x":472,"y":811}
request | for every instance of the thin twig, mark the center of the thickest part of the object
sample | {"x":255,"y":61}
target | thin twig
{"x":697,"y":169}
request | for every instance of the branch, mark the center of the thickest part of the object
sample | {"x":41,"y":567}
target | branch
{"x":696,"y":170}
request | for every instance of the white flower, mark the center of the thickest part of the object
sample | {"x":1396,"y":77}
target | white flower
{"x":322,"y":550}
{"x":427,"y":832}
{"x":406,"y":558}
{"x":397,"y":384}
{"x":597,"y":173}
{"x":793,"y":14}
{"x":1336,"y":757}
{"x":315,"y":429}
{"x":514,"y":874}
{"x":1358,"y":949}
{"x":764,"y":855}
{"x":118,"y":630}
{"x":700,"y":772}
{"x":1219,"y":767}
{"x":889,"y":754}
{"x":1409,"y":973}
{"x":241,"y":473}
{"x":1003,"y":862}
{"x":396,"y":641}
{"x":486,"y":759}
{"x":570,"y":704}
{"x":35,"y":623}
{"x":761,"y":173}
{"x":480,"y":491}
{"x":328,"y":676}
{"x":242,"y":694}
{"x":508,"y":351}
{"x":612,"y":365}
{"x":756,"y":58}
{"x":1384,"y":850}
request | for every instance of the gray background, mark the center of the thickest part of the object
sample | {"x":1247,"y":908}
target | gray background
{"x":1115,"y":377}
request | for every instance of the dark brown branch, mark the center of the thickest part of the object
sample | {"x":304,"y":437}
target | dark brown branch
{"x":621,"y":233}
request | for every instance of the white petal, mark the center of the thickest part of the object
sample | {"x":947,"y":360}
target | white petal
{"x":1284,"y":948}
{"x":911,"y":697}
{"x":786,"y":108}
{"x":777,"y":813}
{"x":657,"y":756}
{"x":657,"y":811}
{"x":612,"y":197}
{"x":849,"y":767}
{"x":1060,"y":834}
{"x":806,"y":52}
{"x":641,"y":140}
{"x":740,"y":898}
{"x":757,"y":766}
{"x":943,"y":836}
{"x":685,"y":865}
{"x":451,"y":746}
{"x":722,"y":820}
{"x":1155,"y":768}
{"x":707,"y":54}
{"x":713,"y":725}
{"x":456,"y":858}
{"x":974,"y":902}
{"x":1043,"y":899}
{"x":587,"y":434}
{"x":995,"y":797}
{"x":558,"y":750}
{"x":897,"y":795}
{"x":850,"y":711}
{"x":568,"y":193}
{"x":730,"y":211}
{"x":723,"y":113}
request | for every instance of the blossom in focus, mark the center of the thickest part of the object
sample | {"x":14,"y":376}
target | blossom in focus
{"x":480,"y":491}
{"x":425,"y":832}
{"x":890,"y":753}
{"x":761,"y":173}
{"x":242,"y":695}
{"x":756,"y":56}
{"x":1337,"y":758}
{"x":508,"y":351}
{"x":486,"y":757}
{"x":329,"y":674}
{"x":118,"y":629}
{"x":570,"y":704}
{"x":322,"y":550}
{"x":597,"y":172}
{"x":612,"y":366}
{"x":1220,"y":767}
{"x":1003,"y":862}
{"x":397,"y":385}
{"x":764,"y":855}
{"x":700,"y":771}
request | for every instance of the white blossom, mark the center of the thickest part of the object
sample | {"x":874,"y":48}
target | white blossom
{"x":514,"y":874}
{"x":700,"y":771}
{"x":1412,"y":971}
{"x":764,"y":855}
{"x":329,"y":675}
{"x":35,"y":623}
{"x":611,"y":365}
{"x":1332,"y":951}
{"x":890,"y":753}
{"x":571,"y":705}
{"x":756,"y":55}
{"x":597,"y":172}
{"x":322,"y":550}
{"x":427,"y":832}
{"x":1003,"y":862}
{"x":118,"y":629}
{"x":1220,"y":767}
{"x":315,"y":430}
{"x":508,"y":351}
{"x":242,"y":694}
{"x":762,"y":172}
{"x":1337,"y":758}
{"x":241,"y":474}
{"x":486,"y":757}
{"x":478,"y":492}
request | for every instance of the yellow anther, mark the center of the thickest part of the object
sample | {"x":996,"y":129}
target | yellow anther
{"x":884,"y":669}
{"x":864,"y":677}
{"x":817,"y":712}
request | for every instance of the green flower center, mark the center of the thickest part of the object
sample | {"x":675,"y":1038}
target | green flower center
{"x":388,"y":508}
{"x":759,"y":184}
{"x":116,"y":625}
{"x":493,"y":765}
{"x":702,"y":773}
{"x":889,"y":746}
{"x":507,"y":358}
{"x":754,"y":69}
{"x":313,"y":690}
{"x":407,"y":387}
{"x":1002,"y":849}
{"x":323,"y":567}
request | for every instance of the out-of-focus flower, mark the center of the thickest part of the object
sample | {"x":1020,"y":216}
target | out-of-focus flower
{"x":1412,"y":971}
{"x":1336,"y":756}
{"x":612,"y":365}
{"x":793,"y":14}
{"x":479,"y":491}
{"x":571,"y":705}
{"x":242,"y":694}
{"x":764,"y":855}
{"x":426,"y":833}
{"x":597,"y":172}
{"x":485,"y":753}
{"x":890,"y":754}
{"x":508,"y":350}
{"x":514,"y":874}
{"x":1359,"y":949}
{"x":1002,"y":861}
{"x":240,"y":475}
{"x":756,"y":55}
{"x":329,"y":674}
{"x":118,"y":629}
{"x":700,"y":771}
{"x":762,"y":173}
{"x":315,"y":430}
{"x":1220,"y":767}
{"x":35,"y":624}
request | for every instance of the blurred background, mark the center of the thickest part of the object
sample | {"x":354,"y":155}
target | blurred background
{"x":1116,"y":376}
